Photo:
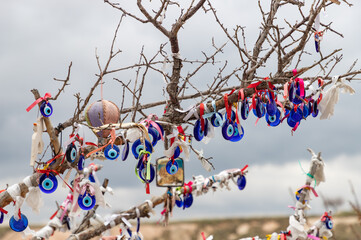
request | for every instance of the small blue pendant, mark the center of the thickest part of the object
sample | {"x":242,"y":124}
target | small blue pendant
{"x":20,"y":225}
{"x":46,"y":109}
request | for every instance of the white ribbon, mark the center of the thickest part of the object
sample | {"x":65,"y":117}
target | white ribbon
{"x":192,"y":111}
{"x":37,"y":143}
{"x":77,"y":129}
{"x":330,"y":97}
{"x":201,"y":158}
{"x":33,"y":198}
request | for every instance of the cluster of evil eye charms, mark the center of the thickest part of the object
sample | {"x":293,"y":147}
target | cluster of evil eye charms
{"x":86,"y":201}
{"x":141,"y":171}
{"x":48,"y":183}
{"x":19,"y":225}
{"x":46,"y":109}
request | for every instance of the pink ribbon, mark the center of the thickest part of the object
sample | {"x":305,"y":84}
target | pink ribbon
{"x":313,"y":237}
{"x":155,"y":125}
{"x":68,"y":200}
{"x":45,"y":98}
{"x":310,"y":188}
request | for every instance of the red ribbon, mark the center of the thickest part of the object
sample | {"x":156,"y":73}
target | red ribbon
{"x":45,"y":98}
{"x":228,"y":106}
{"x":201,"y":113}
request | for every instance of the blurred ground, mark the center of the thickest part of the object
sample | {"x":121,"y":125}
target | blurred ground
{"x":346,"y":227}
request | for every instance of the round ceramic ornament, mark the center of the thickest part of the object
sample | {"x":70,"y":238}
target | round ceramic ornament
{"x":111,"y":152}
{"x":314,"y":109}
{"x":71,"y":152}
{"x":20,"y":225}
{"x":217,"y":119}
{"x":329,"y":223}
{"x":102,"y":112}
{"x":244,"y":109}
{"x":137,"y":147}
{"x":86,"y":201}
{"x":274,"y":120}
{"x":172,"y":168}
{"x":48,"y":183}
{"x":81,"y":162}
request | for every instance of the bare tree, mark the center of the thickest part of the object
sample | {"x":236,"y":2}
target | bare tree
{"x":299,"y":85}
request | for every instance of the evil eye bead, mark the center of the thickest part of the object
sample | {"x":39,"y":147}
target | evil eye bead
{"x":217,"y":119}
{"x":314,"y":109}
{"x":298,"y":194}
{"x":153,"y":136}
{"x":20,"y":225}
{"x":271,"y":108}
{"x":241,"y":182}
{"x":138,"y":147}
{"x":142,"y":172}
{"x":161,"y":129}
{"x":1,"y":217}
{"x":237,"y":135}
{"x":177,"y":152}
{"x":290,"y":122}
{"x":197,"y":130}
{"x":179,"y":203}
{"x":86,"y":201}
{"x":227,"y":130}
{"x":329,"y":223}
{"x":244,"y":109}
{"x":48,"y":184}
{"x":317,"y":43}
{"x":172,"y":168}
{"x":306,"y":111}
{"x":296,"y":115}
{"x":259,"y":111}
{"x":81,"y":162}
{"x":291,"y":92}
{"x":188,"y":201}
{"x":71,"y":153}
{"x":46,"y":109}
{"x":274,"y":120}
{"x":125,"y":150}
{"x":111,"y":153}
{"x":91,"y":178}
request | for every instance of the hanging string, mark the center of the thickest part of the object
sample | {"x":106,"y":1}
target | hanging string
{"x":101,"y":89}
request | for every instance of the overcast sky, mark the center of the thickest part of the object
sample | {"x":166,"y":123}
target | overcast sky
{"x":39,"y":39}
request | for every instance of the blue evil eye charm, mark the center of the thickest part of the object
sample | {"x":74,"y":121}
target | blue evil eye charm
{"x":297,"y":115}
{"x":71,"y":152}
{"x":86,"y":201}
{"x":138,"y":147}
{"x":81,"y":162}
{"x":271,"y":108}
{"x":217,"y":119}
{"x":161,"y":129}
{"x":317,"y":42}
{"x":237,"y":136}
{"x":1,"y":217}
{"x":259,"y":111}
{"x":142,"y":172}
{"x":306,"y":110}
{"x":46,"y":109}
{"x":111,"y":153}
{"x":153,"y":136}
{"x":172,"y":168}
{"x":291,"y":92}
{"x":20,"y":225}
{"x":48,"y":184}
{"x":197,"y":130}
{"x":177,"y":152}
{"x":244,"y":109}
{"x":290,"y":122}
{"x":179,"y":203}
{"x":188,"y":200}
{"x":227,"y":130}
{"x":241,"y":182}
{"x":314,"y":109}
{"x":125,"y":150}
{"x":274,"y":120}
{"x":298,"y":194}
{"x":329,"y":223}
{"x":91,"y":178}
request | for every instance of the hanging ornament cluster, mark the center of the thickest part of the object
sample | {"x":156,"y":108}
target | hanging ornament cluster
{"x":45,"y":107}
